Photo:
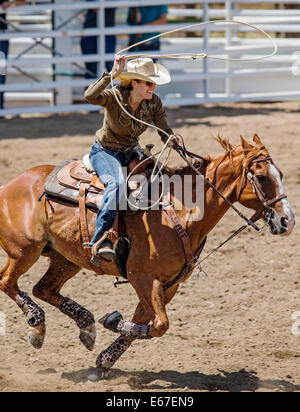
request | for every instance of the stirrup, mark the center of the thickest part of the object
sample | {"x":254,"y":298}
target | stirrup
{"x":103,"y":249}
{"x":106,"y":252}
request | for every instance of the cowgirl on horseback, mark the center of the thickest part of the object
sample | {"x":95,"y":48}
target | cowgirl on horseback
{"x":119,"y":135}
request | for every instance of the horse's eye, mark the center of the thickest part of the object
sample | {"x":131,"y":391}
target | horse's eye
{"x":261,"y":178}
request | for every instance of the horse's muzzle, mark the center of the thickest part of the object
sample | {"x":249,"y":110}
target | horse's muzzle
{"x":282,"y":224}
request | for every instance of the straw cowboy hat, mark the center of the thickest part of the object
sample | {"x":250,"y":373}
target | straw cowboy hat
{"x":145,"y":69}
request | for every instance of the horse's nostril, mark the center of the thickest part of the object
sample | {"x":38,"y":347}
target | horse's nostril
{"x":284,"y":221}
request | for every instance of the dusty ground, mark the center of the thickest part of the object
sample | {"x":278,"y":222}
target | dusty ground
{"x":230,"y":331}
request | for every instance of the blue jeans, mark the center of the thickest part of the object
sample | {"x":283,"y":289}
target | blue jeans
{"x":89,"y":45}
{"x":3,"y":49}
{"x":108,"y":166}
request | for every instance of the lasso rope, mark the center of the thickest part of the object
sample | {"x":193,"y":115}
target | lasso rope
{"x":183,"y":56}
{"x":195,"y":56}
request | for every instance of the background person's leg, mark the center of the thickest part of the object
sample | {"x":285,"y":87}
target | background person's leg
{"x":4,"y":52}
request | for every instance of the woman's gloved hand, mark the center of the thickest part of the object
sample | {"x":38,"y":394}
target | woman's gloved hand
{"x":174,"y":141}
{"x":119,"y":66}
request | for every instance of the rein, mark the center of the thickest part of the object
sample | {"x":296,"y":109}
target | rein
{"x":250,"y":222}
{"x":185,"y":56}
{"x":191,"y":264}
{"x":183,"y":152}
{"x":266,"y":203}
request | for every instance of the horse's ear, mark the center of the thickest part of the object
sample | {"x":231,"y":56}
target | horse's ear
{"x":256,"y":140}
{"x":245,"y":145}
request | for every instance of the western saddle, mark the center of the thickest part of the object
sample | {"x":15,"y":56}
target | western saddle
{"x":75,"y":181}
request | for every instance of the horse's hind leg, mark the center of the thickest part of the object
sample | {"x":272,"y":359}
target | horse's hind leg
{"x":9,"y":276}
{"x":48,"y":289}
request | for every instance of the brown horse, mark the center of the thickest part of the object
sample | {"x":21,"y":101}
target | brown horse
{"x":30,"y":228}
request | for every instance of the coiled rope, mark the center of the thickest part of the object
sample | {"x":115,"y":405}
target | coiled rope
{"x":184,"y":56}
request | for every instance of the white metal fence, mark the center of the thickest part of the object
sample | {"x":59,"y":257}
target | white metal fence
{"x":45,"y":53}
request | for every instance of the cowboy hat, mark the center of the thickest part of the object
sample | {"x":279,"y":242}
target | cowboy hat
{"x":145,"y":69}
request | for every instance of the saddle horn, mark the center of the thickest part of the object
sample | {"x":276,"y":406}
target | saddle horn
{"x":148,"y":149}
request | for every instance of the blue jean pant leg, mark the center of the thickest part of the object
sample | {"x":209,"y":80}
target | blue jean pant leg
{"x":4,"y":49}
{"x":89,"y":46}
{"x":107,"y":165}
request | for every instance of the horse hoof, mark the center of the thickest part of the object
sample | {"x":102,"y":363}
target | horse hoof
{"x":96,"y":374}
{"x":36,"y":341}
{"x":37,"y":335}
{"x":88,"y":336}
{"x":110,"y":321}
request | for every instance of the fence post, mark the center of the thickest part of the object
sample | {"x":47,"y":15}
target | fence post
{"x":101,"y":38}
{"x":228,"y":32}
{"x":205,"y":45}
{"x":62,"y":45}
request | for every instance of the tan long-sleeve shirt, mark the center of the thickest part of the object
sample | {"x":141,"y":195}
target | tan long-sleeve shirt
{"x":120,"y":131}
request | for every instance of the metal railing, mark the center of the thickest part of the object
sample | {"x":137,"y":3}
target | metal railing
{"x":54,"y":43}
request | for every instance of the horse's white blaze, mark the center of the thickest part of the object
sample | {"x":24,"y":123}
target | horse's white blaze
{"x":290,"y":219}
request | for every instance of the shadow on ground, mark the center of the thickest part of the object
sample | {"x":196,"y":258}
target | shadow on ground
{"x":193,"y":381}
{"x":87,"y":123}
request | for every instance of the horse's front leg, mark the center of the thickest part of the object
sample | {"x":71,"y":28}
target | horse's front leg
{"x":152,"y":298}
{"x":133,"y":330}
{"x":109,"y":356}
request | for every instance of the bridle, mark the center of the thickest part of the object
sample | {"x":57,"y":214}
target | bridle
{"x":265,"y":203}
{"x":265,"y":207}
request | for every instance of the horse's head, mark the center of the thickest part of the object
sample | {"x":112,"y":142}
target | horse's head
{"x":261,"y":188}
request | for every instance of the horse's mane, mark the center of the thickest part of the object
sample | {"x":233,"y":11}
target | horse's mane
{"x":200,"y":165}
{"x":248,"y":151}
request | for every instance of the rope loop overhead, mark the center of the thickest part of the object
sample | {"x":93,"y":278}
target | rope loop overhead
{"x":186,"y":56}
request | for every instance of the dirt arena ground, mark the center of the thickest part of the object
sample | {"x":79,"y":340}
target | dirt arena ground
{"x":229,"y":331}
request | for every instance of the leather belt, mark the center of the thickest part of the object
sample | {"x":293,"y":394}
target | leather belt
{"x":116,"y":149}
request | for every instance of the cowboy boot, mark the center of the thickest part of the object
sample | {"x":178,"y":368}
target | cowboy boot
{"x":104,"y":250}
